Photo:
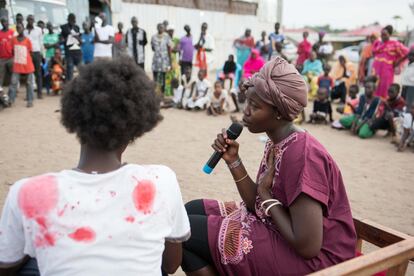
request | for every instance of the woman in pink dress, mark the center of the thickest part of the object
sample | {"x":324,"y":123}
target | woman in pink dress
{"x":253,"y":64}
{"x":295,"y":216}
{"x":388,"y":55}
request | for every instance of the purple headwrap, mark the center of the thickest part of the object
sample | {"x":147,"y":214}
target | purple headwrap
{"x":279,"y":84}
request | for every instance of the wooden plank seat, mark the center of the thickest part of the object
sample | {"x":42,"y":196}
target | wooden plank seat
{"x":396,"y":250}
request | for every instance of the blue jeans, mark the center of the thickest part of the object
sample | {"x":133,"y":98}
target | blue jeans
{"x":73,"y":58}
{"x":29,"y":87}
{"x":29,"y":269}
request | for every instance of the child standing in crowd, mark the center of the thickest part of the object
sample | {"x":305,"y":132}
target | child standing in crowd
{"x":217,"y":100}
{"x":408,"y":129}
{"x":321,"y":107}
{"x":325,"y":80}
{"x":119,"y":42}
{"x":367,"y":107}
{"x":88,"y":46}
{"x":408,"y":80}
{"x":22,"y":65}
{"x":388,"y":110}
{"x":57,"y":71}
{"x":101,"y":211}
{"x":198,"y":98}
{"x":229,"y":71}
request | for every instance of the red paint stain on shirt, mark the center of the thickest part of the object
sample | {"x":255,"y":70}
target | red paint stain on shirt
{"x":144,"y":195}
{"x":42,"y":222}
{"x":83,"y":234}
{"x":130,"y":219}
{"x":62,"y":212}
{"x":45,"y":240}
{"x":38,"y":196}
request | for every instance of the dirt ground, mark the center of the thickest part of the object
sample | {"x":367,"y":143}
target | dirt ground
{"x":379,"y":180}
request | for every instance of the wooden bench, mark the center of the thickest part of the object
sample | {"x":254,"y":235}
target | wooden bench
{"x":397,"y":249}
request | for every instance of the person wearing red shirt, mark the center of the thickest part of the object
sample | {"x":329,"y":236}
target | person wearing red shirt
{"x":304,"y":49}
{"x":22,"y":65}
{"x":6,"y":54}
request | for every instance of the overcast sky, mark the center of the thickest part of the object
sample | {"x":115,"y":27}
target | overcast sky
{"x":346,"y":13}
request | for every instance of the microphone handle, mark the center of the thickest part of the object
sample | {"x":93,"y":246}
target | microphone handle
{"x":212,"y":162}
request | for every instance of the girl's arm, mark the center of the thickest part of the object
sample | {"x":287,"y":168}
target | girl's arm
{"x":300,"y":224}
{"x":172,"y":257}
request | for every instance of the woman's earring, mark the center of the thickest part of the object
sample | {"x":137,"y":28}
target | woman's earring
{"x":278,"y":117}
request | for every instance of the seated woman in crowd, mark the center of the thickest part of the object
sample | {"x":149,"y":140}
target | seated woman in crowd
{"x":389,"y":110}
{"x":101,"y":216}
{"x":295,"y":216}
{"x":217,"y":100}
{"x":312,"y":69}
{"x":358,"y":123}
{"x":345,"y":75}
{"x":229,"y":71}
{"x":197,"y":97}
{"x":407,"y":129}
{"x":253,"y":64}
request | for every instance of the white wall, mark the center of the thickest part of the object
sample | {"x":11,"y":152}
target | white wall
{"x":223,"y":26}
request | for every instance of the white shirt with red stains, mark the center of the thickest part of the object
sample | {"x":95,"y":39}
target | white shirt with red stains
{"x":75,"y":223}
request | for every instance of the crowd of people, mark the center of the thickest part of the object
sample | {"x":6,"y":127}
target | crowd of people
{"x":48,"y":59}
{"x":104,"y":216}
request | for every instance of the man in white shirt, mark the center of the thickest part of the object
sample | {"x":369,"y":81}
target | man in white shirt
{"x":35,"y":35}
{"x":104,"y":37}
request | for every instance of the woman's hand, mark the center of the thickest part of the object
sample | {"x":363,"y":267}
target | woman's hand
{"x":266,"y":181}
{"x":229,"y":148}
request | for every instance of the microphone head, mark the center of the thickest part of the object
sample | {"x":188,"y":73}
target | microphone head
{"x":234,"y":131}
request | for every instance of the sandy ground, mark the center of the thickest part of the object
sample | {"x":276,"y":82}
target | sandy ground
{"x":379,"y":180}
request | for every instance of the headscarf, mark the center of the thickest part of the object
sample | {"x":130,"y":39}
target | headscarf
{"x":253,"y":64}
{"x":279,"y":84}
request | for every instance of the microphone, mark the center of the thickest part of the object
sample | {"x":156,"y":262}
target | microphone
{"x":233,"y":132}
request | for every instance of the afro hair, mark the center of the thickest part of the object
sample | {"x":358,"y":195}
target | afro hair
{"x":110,"y":104}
